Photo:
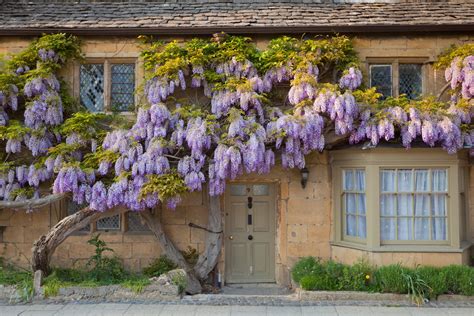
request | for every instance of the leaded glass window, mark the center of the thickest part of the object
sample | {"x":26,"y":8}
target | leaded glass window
{"x":109,"y":223}
{"x":92,"y":86}
{"x":381,"y":77}
{"x":410,"y":80}
{"x":73,"y":208}
{"x":123,"y":87}
{"x":135,"y":224}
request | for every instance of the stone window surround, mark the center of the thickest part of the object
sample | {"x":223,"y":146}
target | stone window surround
{"x":108,"y":60}
{"x":395,"y":62}
{"x":373,"y":161}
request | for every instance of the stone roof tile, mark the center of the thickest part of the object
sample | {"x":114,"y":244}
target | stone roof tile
{"x":189,"y":14}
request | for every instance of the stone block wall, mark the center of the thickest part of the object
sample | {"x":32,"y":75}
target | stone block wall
{"x":304,"y":216}
{"x":136,"y":249}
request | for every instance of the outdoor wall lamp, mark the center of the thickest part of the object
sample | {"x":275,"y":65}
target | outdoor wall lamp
{"x":304,"y":177}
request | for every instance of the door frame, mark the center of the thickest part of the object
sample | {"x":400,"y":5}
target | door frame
{"x":276,"y":209}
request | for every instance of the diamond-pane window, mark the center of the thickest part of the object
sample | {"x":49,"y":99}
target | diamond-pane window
{"x":410,"y":80}
{"x":135,"y":224}
{"x":92,"y":86}
{"x":109,"y":223}
{"x":73,"y":208}
{"x":123,"y":87}
{"x":381,"y":77}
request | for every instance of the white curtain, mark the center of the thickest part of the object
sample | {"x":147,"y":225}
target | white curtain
{"x":411,"y":205}
{"x":355,"y":204}
{"x":438,"y":206}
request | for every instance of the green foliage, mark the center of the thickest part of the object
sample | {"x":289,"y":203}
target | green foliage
{"x":459,"y":279}
{"x":420,"y":283}
{"x":165,"y":186}
{"x":159,"y":266}
{"x":173,"y":56}
{"x":65,"y":46}
{"x":313,"y":274}
{"x":92,"y":160}
{"x":357,"y":277}
{"x":435,"y":279}
{"x":136,"y":283}
{"x":306,"y":266}
{"x":445,"y":59}
{"x":85,"y":124}
{"x":179,"y":279}
{"x":21,"y":279}
{"x":417,"y":287}
{"x":337,"y":50}
{"x":104,"y":269}
{"x":60,"y":278}
{"x":15,"y":130}
{"x":391,"y":279}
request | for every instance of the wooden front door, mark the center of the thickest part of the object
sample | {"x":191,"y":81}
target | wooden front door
{"x":250,"y":233}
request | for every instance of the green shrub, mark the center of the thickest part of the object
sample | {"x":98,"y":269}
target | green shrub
{"x":104,"y":270}
{"x":136,"y":284}
{"x":313,"y":282}
{"x":434,"y":278}
{"x":22,"y":279}
{"x":391,"y":279}
{"x":333,"y":276}
{"x":179,"y":280}
{"x":459,"y":279}
{"x":357,"y":277}
{"x":306,"y":266}
{"x":417,"y":288}
{"x":159,"y":266}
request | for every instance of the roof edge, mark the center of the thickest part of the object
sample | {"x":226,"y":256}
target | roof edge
{"x":134,"y":31}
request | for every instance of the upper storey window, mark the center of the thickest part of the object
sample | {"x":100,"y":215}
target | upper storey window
{"x":107,"y":86}
{"x":397,"y":77}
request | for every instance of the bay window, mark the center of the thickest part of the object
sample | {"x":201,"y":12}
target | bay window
{"x":388,"y":199}
{"x":413,"y":204}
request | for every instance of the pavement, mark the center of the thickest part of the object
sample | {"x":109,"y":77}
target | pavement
{"x":114,"y":309}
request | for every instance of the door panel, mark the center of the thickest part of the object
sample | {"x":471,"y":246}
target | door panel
{"x":239,"y":217}
{"x":239,"y":259}
{"x":261,"y":216}
{"x":250,"y":233}
{"x":260,"y":255}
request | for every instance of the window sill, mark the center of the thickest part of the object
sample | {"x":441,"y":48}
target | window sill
{"x":405,"y":248}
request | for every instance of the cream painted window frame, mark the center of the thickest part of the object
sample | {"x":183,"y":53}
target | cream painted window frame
{"x":354,"y":239}
{"x":374,"y":160}
{"x":395,"y":62}
{"x":430,"y":217}
{"x":108,"y":62}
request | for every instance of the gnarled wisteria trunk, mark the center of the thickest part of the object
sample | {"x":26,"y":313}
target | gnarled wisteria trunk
{"x":44,"y":247}
{"x":207,"y":259}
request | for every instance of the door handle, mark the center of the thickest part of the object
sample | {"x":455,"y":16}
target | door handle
{"x":250,"y":237}
{"x":231,"y":237}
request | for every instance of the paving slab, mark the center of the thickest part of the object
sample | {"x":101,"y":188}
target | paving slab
{"x":143,"y":310}
{"x":318,"y":310}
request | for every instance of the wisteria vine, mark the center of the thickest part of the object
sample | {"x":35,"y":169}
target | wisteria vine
{"x":244,"y":126}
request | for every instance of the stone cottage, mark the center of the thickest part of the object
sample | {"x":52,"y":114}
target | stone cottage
{"x":385,"y":204}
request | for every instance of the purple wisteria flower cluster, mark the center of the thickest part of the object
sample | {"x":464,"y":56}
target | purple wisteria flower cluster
{"x":461,"y":73}
{"x":43,"y":110}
